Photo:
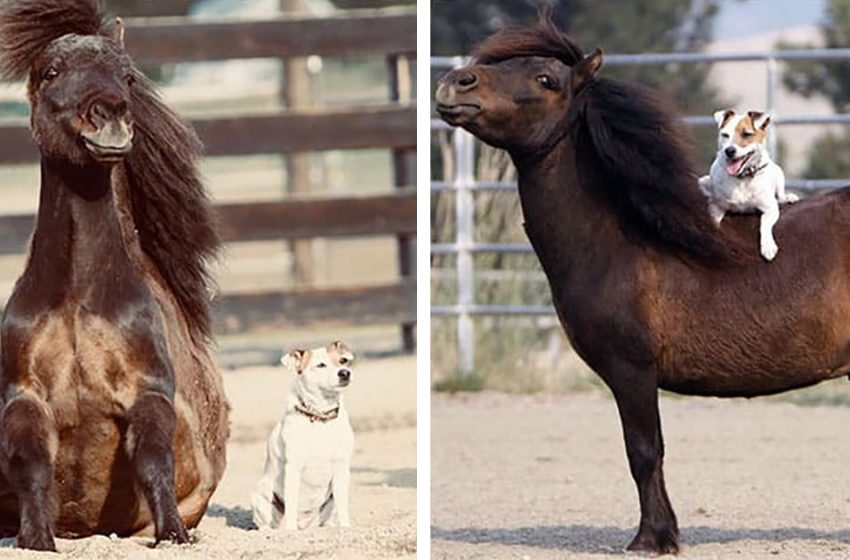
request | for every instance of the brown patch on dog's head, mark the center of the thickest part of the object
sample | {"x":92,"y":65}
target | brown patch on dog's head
{"x":340,"y":353}
{"x":752,"y":128}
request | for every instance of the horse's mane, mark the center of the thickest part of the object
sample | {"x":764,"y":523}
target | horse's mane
{"x":171,"y":211}
{"x":632,"y":150}
{"x":28,"y":26}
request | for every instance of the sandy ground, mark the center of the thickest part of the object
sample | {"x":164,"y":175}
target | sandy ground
{"x":530,"y":477}
{"x":382,"y":405}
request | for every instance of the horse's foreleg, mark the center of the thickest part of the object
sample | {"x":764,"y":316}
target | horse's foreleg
{"x":151,"y":445}
{"x":637,"y":402}
{"x":27,"y":449}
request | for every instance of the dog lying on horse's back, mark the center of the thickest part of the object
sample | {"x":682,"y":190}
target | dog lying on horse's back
{"x":113,"y":414}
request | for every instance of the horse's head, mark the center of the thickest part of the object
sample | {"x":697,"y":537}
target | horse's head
{"x":517,"y":93}
{"x":80,"y":77}
{"x":80,"y":95}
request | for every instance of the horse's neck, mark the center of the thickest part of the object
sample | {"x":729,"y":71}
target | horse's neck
{"x":562,"y":221}
{"x":78,"y":238}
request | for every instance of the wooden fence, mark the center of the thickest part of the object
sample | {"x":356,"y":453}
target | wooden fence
{"x":390,"y":33}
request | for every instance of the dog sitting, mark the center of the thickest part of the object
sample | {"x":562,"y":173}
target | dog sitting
{"x":308,"y":454}
{"x":743,"y":178}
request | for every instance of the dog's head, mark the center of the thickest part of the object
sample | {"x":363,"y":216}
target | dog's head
{"x":326,"y":369}
{"x":741,"y":139}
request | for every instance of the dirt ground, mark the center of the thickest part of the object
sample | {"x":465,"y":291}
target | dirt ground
{"x":382,"y":405}
{"x":532,"y":477}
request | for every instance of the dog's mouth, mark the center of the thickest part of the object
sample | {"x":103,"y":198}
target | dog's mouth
{"x":344,"y":382}
{"x":735,"y":166}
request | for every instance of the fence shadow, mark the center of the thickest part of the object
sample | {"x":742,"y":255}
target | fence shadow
{"x":606,"y":540}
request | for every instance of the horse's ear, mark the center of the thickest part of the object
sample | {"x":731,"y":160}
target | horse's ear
{"x":760,"y":120}
{"x":586,"y":68}
{"x":723,"y":115}
{"x":297,"y":360}
{"x":117,"y":31}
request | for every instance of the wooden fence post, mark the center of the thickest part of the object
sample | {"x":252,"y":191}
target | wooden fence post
{"x":404,"y":175}
{"x":296,"y":95}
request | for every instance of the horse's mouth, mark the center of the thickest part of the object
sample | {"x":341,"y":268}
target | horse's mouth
{"x":458,"y":113}
{"x":106,"y":153}
{"x":111,"y":142}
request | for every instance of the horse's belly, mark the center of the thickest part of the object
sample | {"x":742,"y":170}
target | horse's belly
{"x":94,"y":478}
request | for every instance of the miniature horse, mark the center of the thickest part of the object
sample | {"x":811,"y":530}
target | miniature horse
{"x":650,"y":293}
{"x":113,"y":415}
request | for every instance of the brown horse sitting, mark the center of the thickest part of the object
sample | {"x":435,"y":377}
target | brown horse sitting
{"x":113,"y":414}
{"x":649,"y":292}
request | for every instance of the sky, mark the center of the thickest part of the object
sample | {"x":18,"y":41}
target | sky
{"x":738,"y":18}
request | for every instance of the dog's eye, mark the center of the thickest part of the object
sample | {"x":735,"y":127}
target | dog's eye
{"x":724,"y":135}
{"x":343,"y":361}
{"x":748,"y":134}
{"x":50,"y":73}
{"x":322,"y":365}
{"x":546,"y":81}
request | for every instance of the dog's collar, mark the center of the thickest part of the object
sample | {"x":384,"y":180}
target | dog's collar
{"x":751,"y":171}
{"x":316,"y":415}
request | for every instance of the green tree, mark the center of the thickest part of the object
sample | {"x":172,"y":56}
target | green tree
{"x":829,"y":157}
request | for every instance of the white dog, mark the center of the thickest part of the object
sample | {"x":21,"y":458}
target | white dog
{"x":743,"y":178}
{"x":308,"y":454}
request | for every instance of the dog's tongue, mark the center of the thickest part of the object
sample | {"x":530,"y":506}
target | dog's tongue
{"x":734,"y":166}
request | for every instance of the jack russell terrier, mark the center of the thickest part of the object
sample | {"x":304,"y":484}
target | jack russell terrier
{"x":743,"y":178}
{"x":308,"y":454}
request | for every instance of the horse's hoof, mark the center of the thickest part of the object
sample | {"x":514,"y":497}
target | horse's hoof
{"x":664,"y":542}
{"x":35,"y":541}
{"x":175,"y":533}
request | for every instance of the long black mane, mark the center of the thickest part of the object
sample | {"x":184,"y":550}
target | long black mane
{"x":171,"y":211}
{"x":632,"y":150}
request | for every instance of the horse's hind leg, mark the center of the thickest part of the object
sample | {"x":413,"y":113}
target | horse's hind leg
{"x":151,"y":446}
{"x":637,"y":401}
{"x":27,"y":450}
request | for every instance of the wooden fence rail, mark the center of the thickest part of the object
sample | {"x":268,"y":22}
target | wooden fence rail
{"x":391,"y":126}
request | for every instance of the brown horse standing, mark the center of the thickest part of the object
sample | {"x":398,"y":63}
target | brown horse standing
{"x":650,"y":294}
{"x":113,"y":418}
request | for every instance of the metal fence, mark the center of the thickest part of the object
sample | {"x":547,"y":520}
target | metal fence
{"x":464,"y":184}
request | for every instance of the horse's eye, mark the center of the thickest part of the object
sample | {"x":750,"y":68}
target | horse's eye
{"x":322,"y":365}
{"x":546,"y":81}
{"x":50,"y":73}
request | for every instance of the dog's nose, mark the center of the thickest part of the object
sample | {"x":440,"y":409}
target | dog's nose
{"x":730,"y":152}
{"x":344,"y":374}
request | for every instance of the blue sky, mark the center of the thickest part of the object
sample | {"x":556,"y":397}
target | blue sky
{"x":738,"y":18}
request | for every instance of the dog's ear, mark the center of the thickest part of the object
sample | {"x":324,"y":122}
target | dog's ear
{"x":586,"y":68}
{"x":297,"y":360}
{"x":760,"y":120}
{"x":723,"y":115}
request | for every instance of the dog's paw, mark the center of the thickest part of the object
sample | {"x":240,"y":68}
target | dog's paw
{"x":790,"y":198}
{"x":769,"y":249}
